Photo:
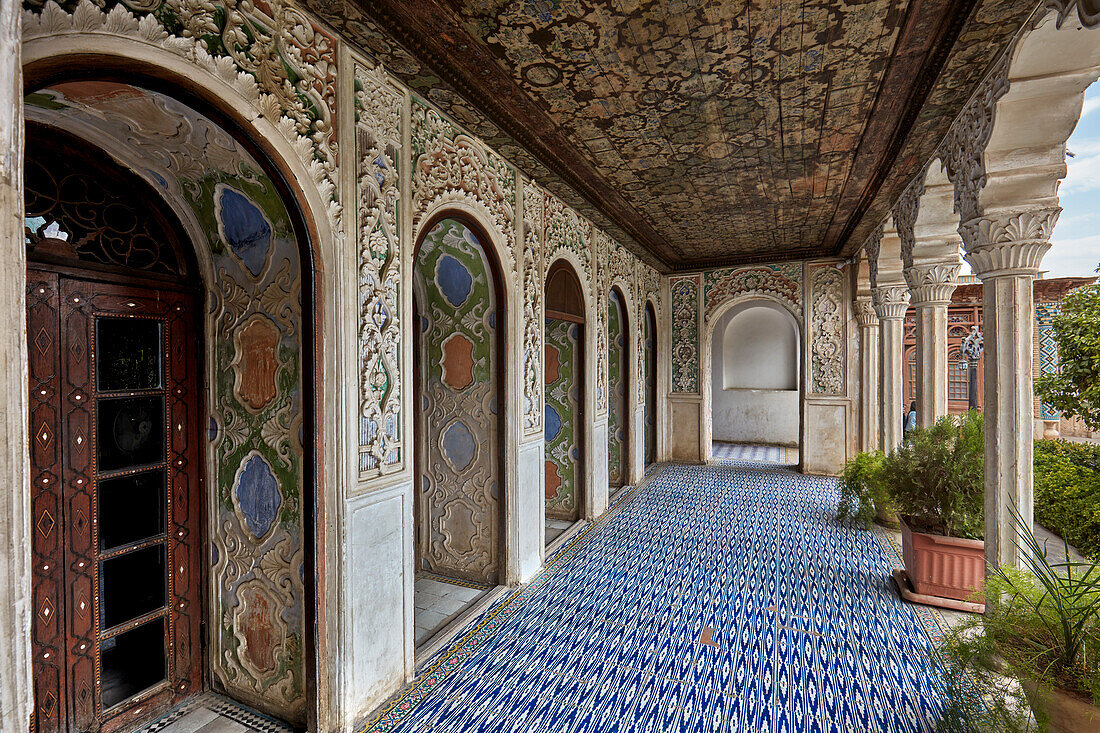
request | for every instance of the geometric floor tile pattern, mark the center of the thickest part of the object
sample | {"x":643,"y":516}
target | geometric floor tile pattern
{"x":709,"y":598}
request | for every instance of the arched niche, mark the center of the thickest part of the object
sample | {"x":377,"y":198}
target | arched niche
{"x":460,"y":395}
{"x":251,"y":234}
{"x":755,"y":375}
{"x":565,"y":384}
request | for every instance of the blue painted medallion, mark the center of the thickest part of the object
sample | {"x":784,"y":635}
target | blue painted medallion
{"x":258,"y":496}
{"x":245,"y":228}
{"x":454,"y":280}
{"x":459,"y":446}
{"x":552,"y":421}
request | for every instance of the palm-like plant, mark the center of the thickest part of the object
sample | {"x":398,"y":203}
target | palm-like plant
{"x":1041,"y":627}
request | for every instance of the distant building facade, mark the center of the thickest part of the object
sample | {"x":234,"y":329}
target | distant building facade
{"x":964,"y":313}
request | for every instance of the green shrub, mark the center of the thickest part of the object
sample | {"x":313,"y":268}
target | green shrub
{"x":936,"y":477}
{"x":863,"y":492}
{"x":1067,"y":492}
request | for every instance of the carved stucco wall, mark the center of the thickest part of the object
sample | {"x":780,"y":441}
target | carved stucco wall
{"x":246,"y":240}
{"x":828,"y":337}
{"x":277,"y":60}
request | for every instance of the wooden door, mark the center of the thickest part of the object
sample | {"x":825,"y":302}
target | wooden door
{"x":116,"y":503}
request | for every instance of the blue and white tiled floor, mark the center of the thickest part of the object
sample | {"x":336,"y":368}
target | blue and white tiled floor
{"x":709,"y":599}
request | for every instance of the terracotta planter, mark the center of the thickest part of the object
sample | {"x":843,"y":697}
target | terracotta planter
{"x":948,"y":567}
{"x":1068,"y":714}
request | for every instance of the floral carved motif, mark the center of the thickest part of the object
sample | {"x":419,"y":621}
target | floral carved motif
{"x":963,"y":151}
{"x":783,"y":282}
{"x":451,"y":167}
{"x":377,"y":141}
{"x":279,"y":62}
{"x":685,"y":334}
{"x":871,"y":247}
{"x":827,"y":331}
{"x":533,"y":225}
{"x":603,"y":245}
{"x":905,"y":217}
{"x":566,"y":229}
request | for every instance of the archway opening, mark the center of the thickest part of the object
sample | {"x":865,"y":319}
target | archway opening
{"x":459,"y":396}
{"x":564,"y":417}
{"x":618,"y":379}
{"x":650,"y":385}
{"x":755,"y":378}
{"x":194,"y":423}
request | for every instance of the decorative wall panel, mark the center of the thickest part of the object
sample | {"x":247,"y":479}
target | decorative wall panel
{"x":602,"y":246}
{"x":782,"y":282}
{"x":564,"y":416}
{"x":827,"y":331}
{"x":533,"y":224}
{"x":377,"y":141}
{"x":459,"y":502}
{"x":617,"y":418}
{"x":685,"y":334}
{"x":565,"y":229}
{"x":1048,"y":350}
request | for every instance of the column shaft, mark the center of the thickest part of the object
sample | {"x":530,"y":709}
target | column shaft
{"x":1008,"y":324}
{"x":893,"y":393}
{"x":869,"y":384}
{"x":15,"y":585}
{"x":931,"y":362}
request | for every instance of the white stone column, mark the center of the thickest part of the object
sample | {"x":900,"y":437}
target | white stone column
{"x":930,"y":286}
{"x":869,"y":406}
{"x":890,"y":304}
{"x":16,"y":696}
{"x":1005,"y":251}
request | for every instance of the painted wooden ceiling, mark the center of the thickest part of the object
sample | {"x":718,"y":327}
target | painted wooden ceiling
{"x":701,"y":132}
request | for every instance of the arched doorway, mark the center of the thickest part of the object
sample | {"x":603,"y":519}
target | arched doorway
{"x":564,"y":411}
{"x":650,"y":356}
{"x":459,"y":396}
{"x":618,"y":377}
{"x":146,"y":414}
{"x":755,"y":383}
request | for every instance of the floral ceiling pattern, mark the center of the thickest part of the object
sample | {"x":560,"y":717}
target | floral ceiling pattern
{"x":697,"y":132}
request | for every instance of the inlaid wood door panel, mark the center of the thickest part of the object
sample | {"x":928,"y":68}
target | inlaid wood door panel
{"x":113,"y":377}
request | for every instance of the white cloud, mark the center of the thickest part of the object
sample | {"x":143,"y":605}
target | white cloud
{"x":1083,"y":175}
{"x":1073,"y":257}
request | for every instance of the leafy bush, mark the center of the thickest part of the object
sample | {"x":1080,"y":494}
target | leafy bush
{"x":863,"y":491}
{"x":1067,"y":492}
{"x":936,"y":477}
{"x":1041,"y":625}
{"x":1075,"y":387}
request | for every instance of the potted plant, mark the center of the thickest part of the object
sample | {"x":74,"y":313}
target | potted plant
{"x":936,"y":479}
{"x":864,"y":495}
{"x":1041,"y":629}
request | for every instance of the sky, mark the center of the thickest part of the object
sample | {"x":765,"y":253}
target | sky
{"x":1076,"y":239}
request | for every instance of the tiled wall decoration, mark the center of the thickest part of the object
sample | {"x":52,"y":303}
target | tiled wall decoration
{"x":1048,"y":350}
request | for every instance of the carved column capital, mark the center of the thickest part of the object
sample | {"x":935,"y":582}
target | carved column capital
{"x":1008,"y":243}
{"x":865,"y":312}
{"x":891,"y":301}
{"x":932,"y":283}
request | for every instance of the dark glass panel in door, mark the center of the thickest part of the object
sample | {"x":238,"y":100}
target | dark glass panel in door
{"x":132,"y":662}
{"x":131,"y":508}
{"x":129,"y":354}
{"x":130,"y":432}
{"x":132,"y":585}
